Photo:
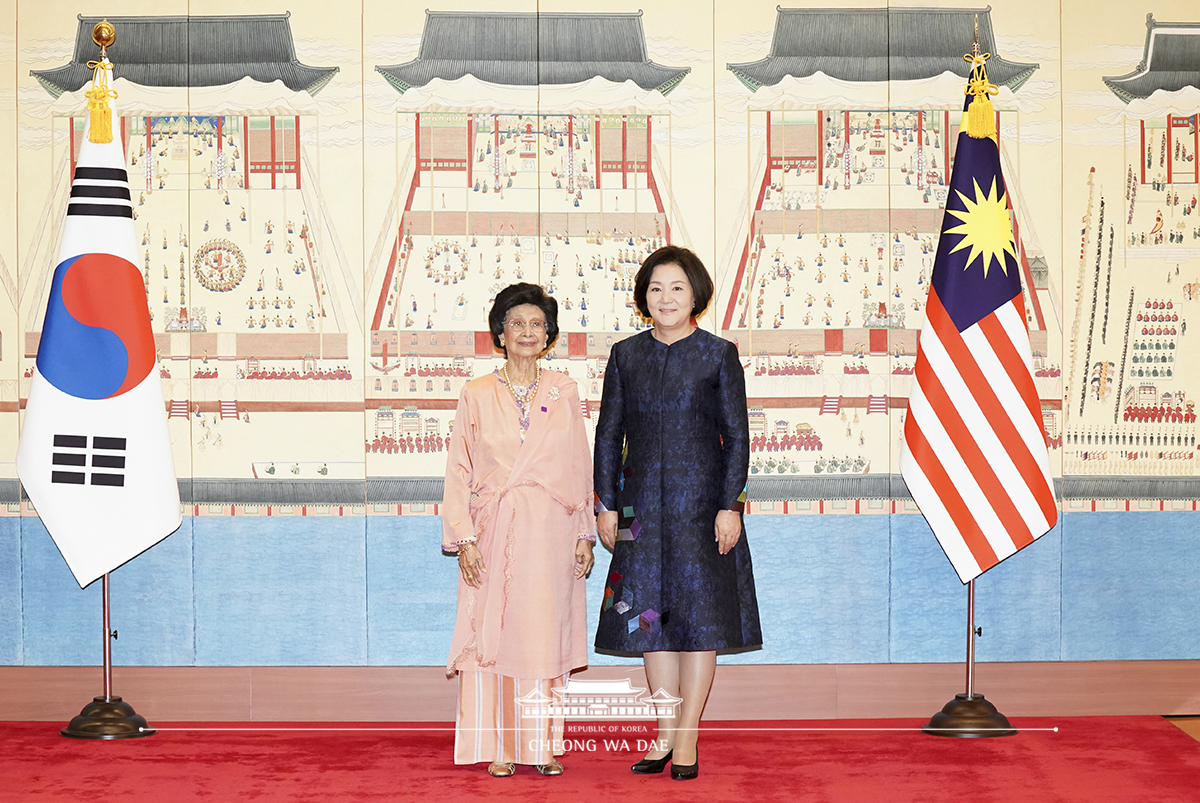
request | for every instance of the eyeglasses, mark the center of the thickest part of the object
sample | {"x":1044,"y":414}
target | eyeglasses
{"x":517,"y":325}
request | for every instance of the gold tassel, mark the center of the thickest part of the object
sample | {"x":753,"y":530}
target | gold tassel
{"x":100,"y":113}
{"x":981,"y":114}
{"x":981,"y":118}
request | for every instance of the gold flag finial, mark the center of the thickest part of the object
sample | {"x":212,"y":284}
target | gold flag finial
{"x":100,"y":128}
{"x":104,"y":34}
{"x":980,"y":119}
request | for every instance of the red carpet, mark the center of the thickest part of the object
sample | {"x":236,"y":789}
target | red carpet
{"x":1120,"y":759}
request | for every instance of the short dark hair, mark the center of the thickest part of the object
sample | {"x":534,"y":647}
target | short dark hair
{"x":693,"y":268}
{"x":514,"y":296}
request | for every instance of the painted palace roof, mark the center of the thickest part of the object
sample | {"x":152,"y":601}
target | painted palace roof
{"x":527,"y":49}
{"x":878,"y":44}
{"x":1170,"y":61}
{"x":192,"y":52}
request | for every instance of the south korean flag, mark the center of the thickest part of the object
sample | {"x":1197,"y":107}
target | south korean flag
{"x":95,"y":453}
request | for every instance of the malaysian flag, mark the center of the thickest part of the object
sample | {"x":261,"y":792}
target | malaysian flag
{"x":974,"y":453}
{"x":95,"y":453}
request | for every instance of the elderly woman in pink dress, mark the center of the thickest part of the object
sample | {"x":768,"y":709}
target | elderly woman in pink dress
{"x":517,"y":510}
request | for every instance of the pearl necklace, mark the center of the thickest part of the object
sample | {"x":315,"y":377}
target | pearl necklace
{"x":523,"y":396}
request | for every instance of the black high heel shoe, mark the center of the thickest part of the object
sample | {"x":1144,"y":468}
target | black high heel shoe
{"x":686,"y":773}
{"x":652,"y":766}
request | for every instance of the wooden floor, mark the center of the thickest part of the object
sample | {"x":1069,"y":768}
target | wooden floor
{"x":758,"y":692}
{"x":1189,"y":725}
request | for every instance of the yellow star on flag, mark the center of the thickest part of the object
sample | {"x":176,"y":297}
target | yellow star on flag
{"x":986,"y":228}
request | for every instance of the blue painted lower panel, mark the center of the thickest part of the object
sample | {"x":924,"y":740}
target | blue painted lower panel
{"x":62,"y":624}
{"x":1016,"y":603}
{"x":280,"y":591}
{"x":1019,"y":605}
{"x":831,"y":589}
{"x":1131,"y":586}
{"x":153,"y":604}
{"x":411,"y":590}
{"x":11,"y":605}
{"x":822,"y":584}
{"x":150,"y":605}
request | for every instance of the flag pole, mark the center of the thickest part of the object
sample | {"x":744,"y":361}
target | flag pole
{"x":971,"y":633}
{"x":956,"y":390}
{"x":107,"y":717}
{"x":969,"y":715}
{"x":109,"y":635}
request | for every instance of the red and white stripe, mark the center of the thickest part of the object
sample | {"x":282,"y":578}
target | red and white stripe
{"x":974,"y":453}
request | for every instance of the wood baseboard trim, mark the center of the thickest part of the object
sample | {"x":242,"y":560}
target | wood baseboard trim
{"x":758,"y":692}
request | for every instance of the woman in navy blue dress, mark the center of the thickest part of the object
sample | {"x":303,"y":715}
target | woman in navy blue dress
{"x":671,"y":459}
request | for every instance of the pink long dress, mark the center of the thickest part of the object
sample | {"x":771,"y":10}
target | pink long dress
{"x":527,"y":502}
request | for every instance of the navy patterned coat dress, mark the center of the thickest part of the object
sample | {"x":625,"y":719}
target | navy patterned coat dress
{"x":673,"y":449}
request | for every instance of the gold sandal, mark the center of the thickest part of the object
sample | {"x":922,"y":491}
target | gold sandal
{"x":553,"y":768}
{"x":501,"y":769}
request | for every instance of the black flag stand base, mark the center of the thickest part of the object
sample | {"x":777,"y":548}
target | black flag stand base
{"x":107,"y":717}
{"x":968,"y":715}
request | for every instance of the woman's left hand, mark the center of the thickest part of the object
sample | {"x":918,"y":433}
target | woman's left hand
{"x":583,"y":558}
{"x":729,"y":530}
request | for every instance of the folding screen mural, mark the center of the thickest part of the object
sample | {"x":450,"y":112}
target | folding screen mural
{"x":852,"y":120}
{"x":328,"y":199}
{"x":251,"y":294}
{"x":529,"y":154}
{"x":540,"y":147}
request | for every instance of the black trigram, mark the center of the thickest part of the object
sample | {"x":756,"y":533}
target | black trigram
{"x":108,"y":460}
{"x":100,"y":192}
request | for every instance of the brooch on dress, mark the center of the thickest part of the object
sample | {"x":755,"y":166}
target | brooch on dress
{"x":553,"y":394}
